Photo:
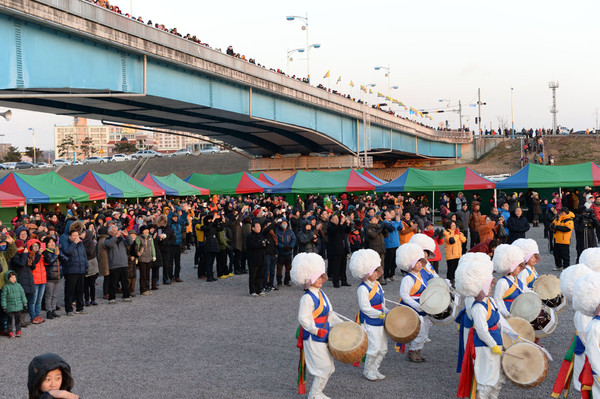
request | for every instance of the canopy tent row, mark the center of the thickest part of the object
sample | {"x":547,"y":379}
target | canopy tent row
{"x":550,"y":176}
{"x":324,"y":182}
{"x":173,"y":185}
{"x":234,"y":183}
{"x":265,"y":178}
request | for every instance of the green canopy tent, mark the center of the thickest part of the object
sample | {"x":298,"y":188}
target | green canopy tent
{"x":116,"y":185}
{"x":315,"y":182}
{"x":235,"y":183}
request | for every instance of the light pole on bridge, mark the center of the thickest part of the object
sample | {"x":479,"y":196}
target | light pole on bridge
{"x":304,"y":21}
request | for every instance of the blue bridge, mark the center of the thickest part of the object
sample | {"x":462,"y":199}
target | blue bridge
{"x":70,"y":57}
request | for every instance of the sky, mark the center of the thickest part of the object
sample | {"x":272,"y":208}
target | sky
{"x":435,"y":50}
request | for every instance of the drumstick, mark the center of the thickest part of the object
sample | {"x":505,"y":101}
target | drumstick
{"x":343,"y":317}
{"x":510,"y":354}
{"x":395,"y":303}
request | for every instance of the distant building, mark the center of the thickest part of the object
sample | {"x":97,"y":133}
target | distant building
{"x":79,"y":131}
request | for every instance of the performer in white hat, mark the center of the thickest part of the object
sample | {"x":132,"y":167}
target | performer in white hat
{"x":509,"y":262}
{"x":316,"y":316}
{"x":591,"y":258}
{"x":411,"y":258}
{"x":474,"y":278}
{"x":586,"y":299}
{"x":575,"y":357}
{"x":531,"y":254}
{"x":365,"y":265}
{"x":428,"y":246}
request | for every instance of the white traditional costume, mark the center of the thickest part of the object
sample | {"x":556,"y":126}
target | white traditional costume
{"x":372,"y":310}
{"x":506,"y":259}
{"x":483,"y":351}
{"x":428,"y":246}
{"x":315,"y":316}
{"x":586,"y":299}
{"x":530,"y":252}
{"x":411,"y":288}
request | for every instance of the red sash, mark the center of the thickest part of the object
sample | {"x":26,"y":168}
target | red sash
{"x":467,"y":387}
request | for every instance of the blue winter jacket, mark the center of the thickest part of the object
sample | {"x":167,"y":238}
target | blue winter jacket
{"x":285,"y":238}
{"x":179,"y":227}
{"x":393,"y":239}
{"x":77,"y":262}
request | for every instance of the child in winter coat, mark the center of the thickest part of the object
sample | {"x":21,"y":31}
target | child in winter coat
{"x":50,"y":377}
{"x":52,"y":260}
{"x":13,"y":301}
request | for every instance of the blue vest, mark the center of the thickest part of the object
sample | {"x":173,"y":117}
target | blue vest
{"x":416,"y":295}
{"x":324,"y":325}
{"x":579,"y":346}
{"x":492,"y":322}
{"x":514,"y":292}
{"x":377,"y":303}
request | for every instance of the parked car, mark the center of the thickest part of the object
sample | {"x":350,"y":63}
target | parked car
{"x":24,"y":165}
{"x":182,"y":152}
{"x":44,"y":165}
{"x":60,"y":161}
{"x":120,"y":158}
{"x":77,"y":163}
{"x":146,"y":154}
{"x":9,"y":165}
{"x":91,"y":160}
{"x":107,"y":159}
{"x":210,"y":150}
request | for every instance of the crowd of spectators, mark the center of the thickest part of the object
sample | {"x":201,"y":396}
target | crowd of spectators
{"x":230,"y":51}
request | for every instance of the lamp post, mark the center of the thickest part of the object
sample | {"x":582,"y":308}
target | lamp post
{"x":447,"y":106}
{"x":34,"y":154}
{"x":289,"y":57}
{"x":388,"y":73}
{"x":304,"y":21}
{"x":512,"y":112}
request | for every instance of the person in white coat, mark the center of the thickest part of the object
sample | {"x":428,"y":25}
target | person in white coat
{"x":411,"y":259}
{"x":474,"y":278}
{"x":316,"y":317}
{"x":508,"y":261}
{"x":365,"y":265}
{"x":586,"y":299}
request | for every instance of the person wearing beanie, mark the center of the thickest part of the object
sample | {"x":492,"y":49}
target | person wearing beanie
{"x":316,"y":317}
{"x":531,"y":253}
{"x":577,"y":347}
{"x":586,"y":299}
{"x":365,"y":265}
{"x":410,"y":258}
{"x":50,"y":377}
{"x":13,"y":302}
{"x":482,"y":357}
{"x":509,"y":262}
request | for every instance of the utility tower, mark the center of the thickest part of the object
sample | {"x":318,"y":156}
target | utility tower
{"x":553,"y":86}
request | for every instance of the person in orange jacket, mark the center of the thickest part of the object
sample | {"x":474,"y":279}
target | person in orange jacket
{"x":562,"y":228}
{"x":453,"y":240}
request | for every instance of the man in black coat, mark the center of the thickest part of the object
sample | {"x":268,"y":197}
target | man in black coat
{"x":337,"y":234}
{"x":255,"y":254}
{"x":166,"y":238}
{"x":517,"y":225}
{"x":211,"y":226}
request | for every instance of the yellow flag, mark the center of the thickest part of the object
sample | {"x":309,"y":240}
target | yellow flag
{"x":380,"y":94}
{"x":363,"y":88}
{"x":370,"y":91}
{"x":351,"y":84}
{"x":326,"y":75}
{"x":339,"y":79}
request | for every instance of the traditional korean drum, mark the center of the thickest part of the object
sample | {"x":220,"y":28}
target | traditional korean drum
{"x":525,"y":365}
{"x":526,"y":306}
{"x":437,"y":281}
{"x":521,"y":327}
{"x":402,"y":324}
{"x":545,"y":323}
{"x":439,"y":303}
{"x":348,"y":342}
{"x":547,"y":286}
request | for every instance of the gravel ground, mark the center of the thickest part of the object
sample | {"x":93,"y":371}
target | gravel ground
{"x":201,"y":340}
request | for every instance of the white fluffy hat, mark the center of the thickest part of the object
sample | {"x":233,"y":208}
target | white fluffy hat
{"x":424,"y":241}
{"x":307,"y":268}
{"x":591,"y":258}
{"x":364,"y":262}
{"x":408,"y":255}
{"x":528,"y":246}
{"x":475,"y":256}
{"x":569,"y":276}
{"x":472,"y":275}
{"x":586,"y":294}
{"x":507,"y":258}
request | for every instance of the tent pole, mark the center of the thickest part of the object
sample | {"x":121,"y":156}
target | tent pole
{"x":495,"y":198}
{"x":433,"y":208}
{"x":25,"y":208}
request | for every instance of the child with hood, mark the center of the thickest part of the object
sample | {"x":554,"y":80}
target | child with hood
{"x":50,"y":377}
{"x":13,"y":301}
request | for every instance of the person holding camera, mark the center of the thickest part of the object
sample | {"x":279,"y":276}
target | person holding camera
{"x":338,"y":229}
{"x":585,"y":224}
{"x":117,"y":245}
{"x":255,"y":252}
{"x":308,"y":239}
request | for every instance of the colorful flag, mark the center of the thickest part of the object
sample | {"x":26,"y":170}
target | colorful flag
{"x":379,"y":94}
{"x":351,"y":84}
{"x":388,"y":98}
{"x":394,"y":101}
{"x":363,"y":88}
{"x":370,"y":91}
{"x":326,"y":75}
{"x":339,"y":79}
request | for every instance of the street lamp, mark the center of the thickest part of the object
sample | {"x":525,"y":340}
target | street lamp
{"x":447,"y":106}
{"x":289,"y":57}
{"x":304,"y":20}
{"x":7,"y":115}
{"x":388,"y":73}
{"x":512,"y":113}
{"x":34,"y":154}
